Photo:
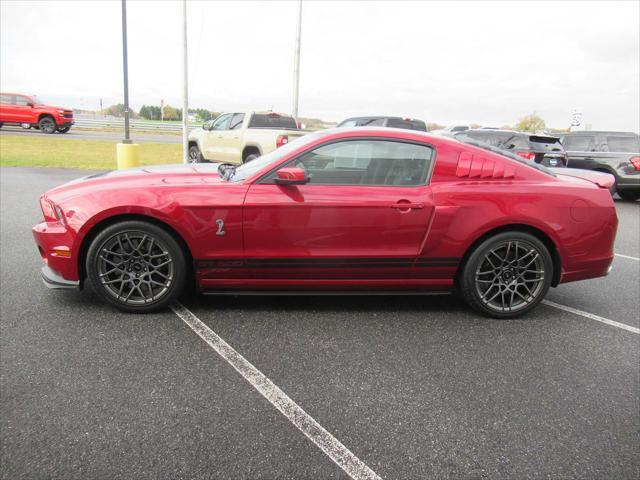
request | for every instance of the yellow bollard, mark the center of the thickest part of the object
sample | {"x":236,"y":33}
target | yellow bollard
{"x":128,"y":155}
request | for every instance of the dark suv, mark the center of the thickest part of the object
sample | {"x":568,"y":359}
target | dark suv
{"x":391,"y":122}
{"x":543,"y":149}
{"x":617,"y":153}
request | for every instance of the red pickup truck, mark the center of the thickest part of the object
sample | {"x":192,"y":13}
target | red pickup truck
{"x":21,"y":109}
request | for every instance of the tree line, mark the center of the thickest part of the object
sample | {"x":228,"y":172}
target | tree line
{"x":154,"y":112}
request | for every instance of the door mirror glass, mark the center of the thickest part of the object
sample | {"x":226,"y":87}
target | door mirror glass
{"x":291,"y":176}
{"x":31,"y":105}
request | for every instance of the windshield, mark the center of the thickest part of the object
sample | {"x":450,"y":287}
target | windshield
{"x":504,"y":153}
{"x":247,"y":170}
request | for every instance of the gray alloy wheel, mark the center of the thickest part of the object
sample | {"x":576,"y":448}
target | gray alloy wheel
{"x":47,"y":125}
{"x":194,"y":154}
{"x":136,"y":266}
{"x":507,"y":275}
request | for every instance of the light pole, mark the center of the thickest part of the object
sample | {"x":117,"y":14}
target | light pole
{"x":185,"y":88}
{"x":127,"y":155}
{"x":296,"y":63}
{"x":125,"y":68}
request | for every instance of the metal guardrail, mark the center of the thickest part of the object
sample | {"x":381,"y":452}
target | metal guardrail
{"x":134,"y":125}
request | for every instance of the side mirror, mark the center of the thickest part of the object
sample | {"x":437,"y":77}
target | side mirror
{"x":30,"y":105}
{"x":205,"y":126}
{"x":291,"y":176}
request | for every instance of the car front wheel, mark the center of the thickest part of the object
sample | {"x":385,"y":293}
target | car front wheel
{"x":194,"y":154}
{"x":136,"y":266}
{"x":47,"y":125}
{"x":507,"y":275}
{"x":629,"y":196}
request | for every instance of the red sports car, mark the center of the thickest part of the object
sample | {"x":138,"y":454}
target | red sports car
{"x":338,"y":211}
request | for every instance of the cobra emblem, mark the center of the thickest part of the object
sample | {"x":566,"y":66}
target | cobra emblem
{"x":220,"y":224}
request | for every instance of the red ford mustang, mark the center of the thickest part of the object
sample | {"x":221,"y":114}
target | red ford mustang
{"x":338,"y":211}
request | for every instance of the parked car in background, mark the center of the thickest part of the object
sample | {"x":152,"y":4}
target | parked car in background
{"x":543,"y":149}
{"x":617,"y":153}
{"x":450,"y":130}
{"x":24,"y":110}
{"x":241,"y":137}
{"x":357,"y":210}
{"x":389,"y":122}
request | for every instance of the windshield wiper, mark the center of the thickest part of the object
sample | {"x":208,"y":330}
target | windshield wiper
{"x":226,"y":170}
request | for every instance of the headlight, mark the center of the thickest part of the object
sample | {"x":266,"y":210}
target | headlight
{"x":51,"y":211}
{"x":60,"y":111}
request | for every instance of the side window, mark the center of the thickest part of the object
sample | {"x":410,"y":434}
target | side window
{"x":236,"y":121}
{"x":222,"y":122}
{"x":367,"y":162}
{"x":371,"y":122}
{"x":22,"y":101}
{"x":579,"y":143}
{"x":5,"y":99}
{"x":517,"y":142}
{"x":626,"y":144}
{"x":348,"y":123}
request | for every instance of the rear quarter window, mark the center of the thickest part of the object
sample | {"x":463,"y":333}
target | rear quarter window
{"x":274,"y":121}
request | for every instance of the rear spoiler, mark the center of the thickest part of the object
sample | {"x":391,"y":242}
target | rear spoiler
{"x":601,"y":179}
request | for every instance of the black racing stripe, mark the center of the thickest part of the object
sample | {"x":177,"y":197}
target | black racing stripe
{"x":275,"y":263}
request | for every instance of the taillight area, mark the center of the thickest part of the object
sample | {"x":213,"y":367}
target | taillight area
{"x":635,"y":161}
{"x":281,"y":140}
{"x":527,"y":155}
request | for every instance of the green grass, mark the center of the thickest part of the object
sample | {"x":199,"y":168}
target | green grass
{"x":27,"y":151}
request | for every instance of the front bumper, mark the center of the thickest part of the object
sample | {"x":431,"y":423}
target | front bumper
{"x":53,"y":280}
{"x":55,"y":244}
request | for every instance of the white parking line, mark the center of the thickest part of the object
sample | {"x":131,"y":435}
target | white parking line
{"x":597,"y":318}
{"x":627,"y":256}
{"x":331,"y":446}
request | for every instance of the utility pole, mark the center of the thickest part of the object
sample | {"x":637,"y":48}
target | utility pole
{"x":125,"y":67}
{"x":296,"y":63}
{"x":185,"y":86}
{"x":127,"y":155}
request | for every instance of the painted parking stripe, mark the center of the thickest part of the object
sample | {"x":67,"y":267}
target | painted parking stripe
{"x":627,"y":256}
{"x":331,"y":446}
{"x":597,"y":318}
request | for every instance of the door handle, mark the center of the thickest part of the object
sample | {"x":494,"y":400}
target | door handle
{"x":407,"y":205}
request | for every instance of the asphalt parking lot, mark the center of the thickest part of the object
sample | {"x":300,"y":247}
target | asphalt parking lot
{"x":414,"y":387}
{"x":77,"y":133}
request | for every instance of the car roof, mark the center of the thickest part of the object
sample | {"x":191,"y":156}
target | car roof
{"x":600,"y":132}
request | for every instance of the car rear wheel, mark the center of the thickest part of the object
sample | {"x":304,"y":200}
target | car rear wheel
{"x":136,"y":266}
{"x":629,"y":196}
{"x":47,"y":125}
{"x":64,"y":129}
{"x":194,"y":154}
{"x":507,"y":275}
{"x":251,"y":157}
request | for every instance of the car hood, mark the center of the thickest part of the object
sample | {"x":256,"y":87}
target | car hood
{"x":52,"y":107}
{"x":142,"y":177}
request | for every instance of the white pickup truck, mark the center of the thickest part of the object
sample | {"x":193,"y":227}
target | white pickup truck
{"x":241,"y":137}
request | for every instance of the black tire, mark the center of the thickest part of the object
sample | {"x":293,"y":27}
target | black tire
{"x":0,"y":125}
{"x":487,"y":285}
{"x":117,"y":268}
{"x":629,"y":196}
{"x":251,"y":157}
{"x":194,"y":154}
{"x":64,"y":129}
{"x":47,"y":125}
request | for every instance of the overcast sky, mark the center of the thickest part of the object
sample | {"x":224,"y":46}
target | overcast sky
{"x":446,"y":62}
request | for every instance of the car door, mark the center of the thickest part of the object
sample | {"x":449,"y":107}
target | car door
{"x":8,"y":108}
{"x":362,"y":215}
{"x":23,"y":109}
{"x":230,"y":140}
{"x":581,"y":151}
{"x":211,"y":143}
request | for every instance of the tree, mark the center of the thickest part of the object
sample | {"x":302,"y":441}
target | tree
{"x":171,"y":113}
{"x":531,"y":123}
{"x":115,"y":110}
{"x":434,"y":126}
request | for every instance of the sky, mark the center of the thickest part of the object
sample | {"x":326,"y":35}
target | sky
{"x":447,"y":62}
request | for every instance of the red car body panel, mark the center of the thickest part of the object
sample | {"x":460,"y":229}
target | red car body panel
{"x":14,"y":113}
{"x":343,"y":237}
